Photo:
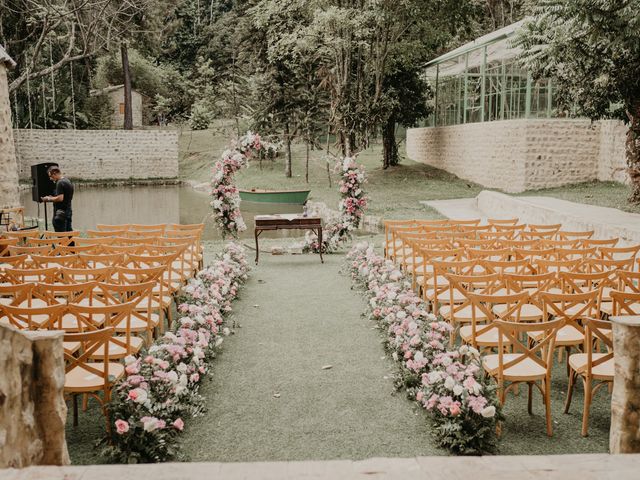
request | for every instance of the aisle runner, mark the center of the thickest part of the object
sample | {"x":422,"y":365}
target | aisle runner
{"x":305,"y":378}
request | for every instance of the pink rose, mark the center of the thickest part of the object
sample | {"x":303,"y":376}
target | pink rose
{"x":419,"y":396}
{"x":455,"y":408}
{"x":178,"y":424}
{"x":122,"y":427}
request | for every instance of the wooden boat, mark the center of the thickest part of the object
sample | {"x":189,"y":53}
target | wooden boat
{"x":285,"y":197}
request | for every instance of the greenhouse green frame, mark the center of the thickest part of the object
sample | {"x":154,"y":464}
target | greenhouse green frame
{"x":483,"y":81}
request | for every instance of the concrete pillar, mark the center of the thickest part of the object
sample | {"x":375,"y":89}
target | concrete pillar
{"x":624,"y":435}
{"x":32,"y":408}
{"x":9,"y":196}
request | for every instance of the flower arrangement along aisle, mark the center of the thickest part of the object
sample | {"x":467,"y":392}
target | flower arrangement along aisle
{"x":226,"y":198}
{"x":351,"y":208}
{"x":449,"y":384}
{"x":159,"y":392}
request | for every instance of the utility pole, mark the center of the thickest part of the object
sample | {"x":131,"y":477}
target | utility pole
{"x":128,"y":114}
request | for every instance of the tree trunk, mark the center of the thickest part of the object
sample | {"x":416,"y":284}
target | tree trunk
{"x":306,"y":169}
{"x":128,"y":114}
{"x":389,"y":145}
{"x":633,"y":154}
{"x":327,"y":159}
{"x":287,"y":139}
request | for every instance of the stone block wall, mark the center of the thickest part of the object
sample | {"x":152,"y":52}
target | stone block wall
{"x":32,"y":408}
{"x":612,"y":163}
{"x":525,"y":154}
{"x":100,"y":154}
{"x":8,"y":171}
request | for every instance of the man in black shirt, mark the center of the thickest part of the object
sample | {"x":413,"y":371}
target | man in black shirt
{"x":61,"y":200}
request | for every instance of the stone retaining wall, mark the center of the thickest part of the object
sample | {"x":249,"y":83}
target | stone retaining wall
{"x":100,"y":154}
{"x":32,"y":408}
{"x":525,"y":154}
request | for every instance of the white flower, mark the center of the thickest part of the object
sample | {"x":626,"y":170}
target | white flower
{"x":446,"y":361}
{"x":173,"y":377}
{"x":394,"y":355}
{"x":418,"y":357}
{"x":226,"y":332}
{"x":488,"y":412}
{"x":129,"y":359}
{"x":183,"y":380}
{"x":150,"y":424}
{"x":182,"y":367}
{"x":449,"y":383}
{"x":433,"y":377}
{"x":457,"y":390}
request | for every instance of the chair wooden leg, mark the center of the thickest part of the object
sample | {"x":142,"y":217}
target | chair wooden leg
{"x":547,"y":405}
{"x":588,"y":393}
{"x":530,"y":399}
{"x":85,"y":402}
{"x":572,"y":381}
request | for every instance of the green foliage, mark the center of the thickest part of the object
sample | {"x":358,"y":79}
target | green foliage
{"x":201,"y":115}
{"x":99,"y":111}
{"x":591,"y":50}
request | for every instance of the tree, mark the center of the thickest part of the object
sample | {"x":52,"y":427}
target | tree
{"x":45,"y":35}
{"x":592,"y":51}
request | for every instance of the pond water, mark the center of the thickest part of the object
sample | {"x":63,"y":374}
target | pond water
{"x":149,"y":205}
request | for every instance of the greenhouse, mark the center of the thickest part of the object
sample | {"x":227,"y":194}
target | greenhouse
{"x":482,"y":81}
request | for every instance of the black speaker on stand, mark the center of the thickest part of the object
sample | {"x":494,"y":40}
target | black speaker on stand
{"x":42,"y":186}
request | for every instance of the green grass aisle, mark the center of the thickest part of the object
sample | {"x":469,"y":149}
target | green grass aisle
{"x":270,"y":399}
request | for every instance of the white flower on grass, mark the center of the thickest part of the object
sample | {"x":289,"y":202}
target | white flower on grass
{"x":182,"y":367}
{"x":418,"y":357}
{"x":433,"y":377}
{"x":449,"y":383}
{"x":488,"y":412}
{"x":129,"y":359}
{"x":457,"y":390}
{"x":172,"y":376}
{"x":394,"y":355}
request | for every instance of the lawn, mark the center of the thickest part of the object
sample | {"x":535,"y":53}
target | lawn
{"x":395,"y":192}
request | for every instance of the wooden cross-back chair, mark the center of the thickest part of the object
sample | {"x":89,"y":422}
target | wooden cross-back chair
{"x":502,"y":221}
{"x":498,"y":254}
{"x":625,"y":303}
{"x":458,"y":309}
{"x":559,"y":244}
{"x":605,"y":264}
{"x":575,"y":253}
{"x":498,"y":236}
{"x":537,"y":234}
{"x":84,"y":376}
{"x":521,"y":361}
{"x":40,"y":261}
{"x":595,"y":368}
{"x":600,"y":242}
{"x":482,"y":332}
{"x":15,"y":261}
{"x":105,"y":227}
{"x":95,"y":234}
{"x":424,"y":277}
{"x":478,"y":243}
{"x":521,"y":244}
{"x":628,"y":281}
{"x":23,"y":236}
{"x":144,"y":317}
{"x":440,"y":292}
{"x":502,"y":267}
{"x":38,"y":250}
{"x":543,"y":227}
{"x":533,"y":284}
{"x":17,"y":295}
{"x":618,"y":253}
{"x":567,"y":235}
{"x":5,"y":243}
{"x":88,"y":274}
{"x":572,"y":308}
{"x":102,"y":260}
{"x":32,"y":275}
{"x":514,"y":229}
{"x":533,"y":254}
{"x":581,"y":282}
{"x":43,"y":317}
{"x":543,"y":265}
{"x":389,"y":239}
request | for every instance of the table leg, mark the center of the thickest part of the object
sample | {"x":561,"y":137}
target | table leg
{"x":257,"y":247}
{"x":320,"y":242}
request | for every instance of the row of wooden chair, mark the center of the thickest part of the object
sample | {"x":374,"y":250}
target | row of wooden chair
{"x":520,"y":293}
